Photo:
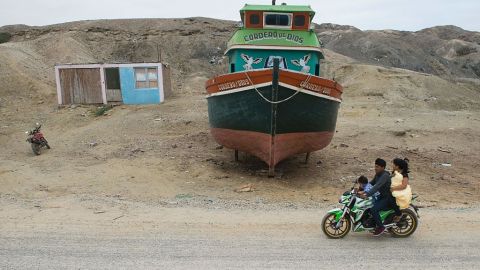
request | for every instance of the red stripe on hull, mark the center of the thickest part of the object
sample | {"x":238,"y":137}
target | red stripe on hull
{"x":260,"y":144}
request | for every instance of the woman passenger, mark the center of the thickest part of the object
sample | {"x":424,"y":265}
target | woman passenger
{"x":400,"y":188}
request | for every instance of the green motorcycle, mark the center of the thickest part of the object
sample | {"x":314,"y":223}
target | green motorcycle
{"x":356,"y":215}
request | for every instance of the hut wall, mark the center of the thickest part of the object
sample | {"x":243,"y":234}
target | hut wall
{"x":81,"y":86}
{"x":133,"y":95}
{"x":167,"y":82}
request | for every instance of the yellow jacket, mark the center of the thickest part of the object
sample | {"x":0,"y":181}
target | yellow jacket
{"x":404,"y":196}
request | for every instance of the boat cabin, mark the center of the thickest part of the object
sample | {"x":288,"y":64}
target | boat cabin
{"x":268,"y":18}
{"x":275,"y":31}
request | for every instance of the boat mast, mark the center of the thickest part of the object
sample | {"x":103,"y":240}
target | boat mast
{"x":273,"y":121}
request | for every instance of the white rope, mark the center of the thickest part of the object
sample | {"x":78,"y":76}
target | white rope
{"x":277,"y":102}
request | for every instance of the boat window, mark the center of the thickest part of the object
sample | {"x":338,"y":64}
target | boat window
{"x":299,"y":20}
{"x":254,"y":19}
{"x":278,"y":19}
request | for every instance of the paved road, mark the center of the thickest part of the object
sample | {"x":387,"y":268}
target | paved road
{"x":447,"y":239}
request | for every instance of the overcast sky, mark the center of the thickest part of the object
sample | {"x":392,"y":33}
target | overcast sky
{"x":409,"y":15}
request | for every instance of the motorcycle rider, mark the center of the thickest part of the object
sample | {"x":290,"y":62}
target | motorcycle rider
{"x":381,"y":183}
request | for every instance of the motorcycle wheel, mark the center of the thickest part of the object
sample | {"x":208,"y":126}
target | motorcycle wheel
{"x":328,"y":226}
{"x":35,"y":148}
{"x":406,"y":226}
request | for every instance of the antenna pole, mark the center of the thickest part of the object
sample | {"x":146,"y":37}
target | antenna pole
{"x":159,"y":53}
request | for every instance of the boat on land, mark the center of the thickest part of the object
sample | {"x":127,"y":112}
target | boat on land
{"x":273,"y":102}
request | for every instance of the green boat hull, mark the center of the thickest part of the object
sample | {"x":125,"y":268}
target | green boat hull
{"x":243,"y":121}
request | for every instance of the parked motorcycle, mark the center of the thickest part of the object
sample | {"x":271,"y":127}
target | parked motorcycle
{"x":356,"y":215}
{"x":36,"y":139}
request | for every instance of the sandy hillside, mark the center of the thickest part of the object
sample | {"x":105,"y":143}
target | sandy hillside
{"x":164,"y":154}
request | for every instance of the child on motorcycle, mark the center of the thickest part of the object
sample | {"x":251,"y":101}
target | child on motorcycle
{"x":365,"y":186}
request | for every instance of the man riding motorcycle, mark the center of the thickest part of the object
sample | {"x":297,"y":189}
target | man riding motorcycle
{"x":381,"y":183}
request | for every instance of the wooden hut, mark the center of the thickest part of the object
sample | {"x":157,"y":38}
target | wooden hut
{"x":134,"y":83}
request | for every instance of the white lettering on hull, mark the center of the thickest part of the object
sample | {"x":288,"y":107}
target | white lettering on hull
{"x":315,"y":87}
{"x":232,"y":85}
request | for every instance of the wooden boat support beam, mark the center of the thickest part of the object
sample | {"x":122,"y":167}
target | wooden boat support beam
{"x":273,"y":127}
{"x":307,"y":157}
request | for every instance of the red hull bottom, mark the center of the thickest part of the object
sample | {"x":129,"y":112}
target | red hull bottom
{"x":282,"y":147}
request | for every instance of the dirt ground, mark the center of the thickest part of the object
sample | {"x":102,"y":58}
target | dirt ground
{"x":165,"y":154}
{"x":136,"y":159}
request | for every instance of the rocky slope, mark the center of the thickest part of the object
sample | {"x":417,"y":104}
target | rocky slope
{"x":447,"y":51}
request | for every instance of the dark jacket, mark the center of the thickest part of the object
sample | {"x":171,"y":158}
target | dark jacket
{"x":381,"y":183}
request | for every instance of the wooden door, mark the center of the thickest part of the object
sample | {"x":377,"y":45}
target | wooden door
{"x":81,"y":86}
{"x":112,"y":80}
